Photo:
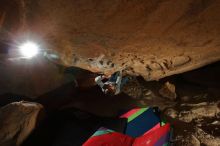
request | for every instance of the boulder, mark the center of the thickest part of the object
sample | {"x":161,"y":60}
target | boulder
{"x":17,"y":121}
{"x":168,"y":90}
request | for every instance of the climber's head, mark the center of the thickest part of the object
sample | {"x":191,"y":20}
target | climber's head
{"x":109,"y":89}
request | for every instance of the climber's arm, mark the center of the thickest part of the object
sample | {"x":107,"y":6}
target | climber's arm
{"x":119,"y":78}
{"x":118,"y":83}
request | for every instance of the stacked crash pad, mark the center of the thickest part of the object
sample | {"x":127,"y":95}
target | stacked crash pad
{"x":144,"y":128}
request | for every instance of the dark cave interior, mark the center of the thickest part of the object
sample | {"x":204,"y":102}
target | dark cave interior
{"x":76,"y":110}
{"x":51,"y":51}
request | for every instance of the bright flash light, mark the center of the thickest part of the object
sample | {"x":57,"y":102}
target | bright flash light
{"x":29,"y":49}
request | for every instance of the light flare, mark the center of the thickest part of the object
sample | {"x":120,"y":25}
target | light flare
{"x":29,"y":49}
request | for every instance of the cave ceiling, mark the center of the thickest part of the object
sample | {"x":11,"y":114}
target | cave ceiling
{"x":151,"y":38}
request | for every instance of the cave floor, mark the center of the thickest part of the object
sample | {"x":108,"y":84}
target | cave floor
{"x":194,"y":114}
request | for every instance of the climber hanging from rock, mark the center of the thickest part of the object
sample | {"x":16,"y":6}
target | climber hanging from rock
{"x":113,"y":85}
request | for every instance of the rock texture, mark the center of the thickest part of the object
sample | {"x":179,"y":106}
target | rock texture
{"x":168,"y":90}
{"x":17,"y":121}
{"x":199,"y":111}
{"x":152,"y":38}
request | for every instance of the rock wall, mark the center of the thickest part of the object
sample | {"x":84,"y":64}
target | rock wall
{"x":152,"y":38}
